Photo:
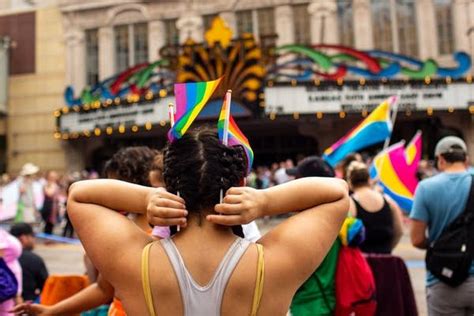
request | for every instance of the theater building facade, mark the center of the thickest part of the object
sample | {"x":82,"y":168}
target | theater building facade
{"x":302,"y":72}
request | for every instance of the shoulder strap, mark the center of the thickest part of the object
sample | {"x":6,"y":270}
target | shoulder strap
{"x":470,"y":199}
{"x":146,"y":279}
{"x":257,"y":295}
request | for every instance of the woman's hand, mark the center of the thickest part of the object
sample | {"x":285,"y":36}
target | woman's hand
{"x":166,"y":209}
{"x":241,"y":205}
{"x":32,"y":309}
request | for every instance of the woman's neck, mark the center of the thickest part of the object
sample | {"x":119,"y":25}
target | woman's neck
{"x":201,"y":228}
{"x":360,"y":188}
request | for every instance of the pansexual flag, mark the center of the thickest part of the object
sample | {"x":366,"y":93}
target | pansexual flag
{"x":230,"y":134}
{"x":374,"y":129}
{"x":190,"y":100}
{"x":395,"y":168}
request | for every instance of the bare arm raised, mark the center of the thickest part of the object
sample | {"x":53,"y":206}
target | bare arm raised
{"x":302,"y":241}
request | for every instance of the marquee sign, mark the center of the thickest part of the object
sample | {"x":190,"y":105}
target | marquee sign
{"x":356,"y":98}
{"x":116,"y":118}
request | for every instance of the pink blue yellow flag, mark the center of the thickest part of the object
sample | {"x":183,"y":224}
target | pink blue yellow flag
{"x":374,"y":129}
{"x":230,"y":134}
{"x":395,"y":168}
{"x":190,"y":100}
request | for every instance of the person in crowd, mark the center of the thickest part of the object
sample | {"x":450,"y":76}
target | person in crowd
{"x":10,"y":251}
{"x":438,"y":202}
{"x":317,"y":295}
{"x":34,"y":270}
{"x":50,"y":210}
{"x":381,"y":216}
{"x":341,"y":169}
{"x":198,"y":166}
{"x":280,"y":175}
{"x":27,"y":207}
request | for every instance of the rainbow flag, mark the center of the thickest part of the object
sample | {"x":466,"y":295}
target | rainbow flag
{"x":374,"y":129}
{"x":190,"y":100}
{"x":396,"y":168}
{"x":234,"y":134}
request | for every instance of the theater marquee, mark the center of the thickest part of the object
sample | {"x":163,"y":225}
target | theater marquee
{"x":350,"y":98}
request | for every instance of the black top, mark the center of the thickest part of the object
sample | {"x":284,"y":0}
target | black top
{"x":34,"y":274}
{"x":379,"y":231}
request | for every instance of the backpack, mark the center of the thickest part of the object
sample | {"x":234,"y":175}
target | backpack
{"x":8,"y":282}
{"x":449,"y":258}
{"x":354,"y":282}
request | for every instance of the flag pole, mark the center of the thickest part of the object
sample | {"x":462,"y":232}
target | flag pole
{"x":171,"y":113}
{"x":225,"y":137}
{"x":393,"y":101}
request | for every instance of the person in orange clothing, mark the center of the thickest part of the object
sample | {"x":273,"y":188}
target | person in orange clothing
{"x":139,"y":165}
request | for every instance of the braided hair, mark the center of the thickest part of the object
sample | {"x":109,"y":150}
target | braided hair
{"x":198,"y":166}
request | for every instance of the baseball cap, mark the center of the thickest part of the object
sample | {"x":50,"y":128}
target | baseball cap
{"x":21,"y":229}
{"x":450,"y":144}
{"x":312,"y":166}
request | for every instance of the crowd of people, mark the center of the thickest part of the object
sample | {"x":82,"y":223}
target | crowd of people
{"x":208,"y":201}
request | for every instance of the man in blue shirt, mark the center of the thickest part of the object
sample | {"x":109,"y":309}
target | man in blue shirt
{"x":438,"y":202}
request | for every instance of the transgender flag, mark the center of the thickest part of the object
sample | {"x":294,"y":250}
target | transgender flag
{"x":374,"y":129}
{"x":396,"y":168}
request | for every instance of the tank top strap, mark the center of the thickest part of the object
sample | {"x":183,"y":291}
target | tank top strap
{"x":145,"y":272}
{"x":227,"y":267}
{"x":179,"y":270}
{"x":257,"y":295}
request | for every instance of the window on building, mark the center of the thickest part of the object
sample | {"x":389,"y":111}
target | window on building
{"x":407,"y":30}
{"x":382,"y":25}
{"x":302,"y":24}
{"x":345,"y":18}
{"x":266,"y":26}
{"x":131,"y":45}
{"x":140,"y":34}
{"x":266,"y":21}
{"x":244,"y":22}
{"x":207,"y":21}
{"x":171,"y":31}
{"x":122,"y":54}
{"x":444,"y":24}
{"x":92,"y":57}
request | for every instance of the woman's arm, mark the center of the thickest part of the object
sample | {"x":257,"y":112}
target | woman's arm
{"x":112,"y":194}
{"x":91,"y":297}
{"x":93,"y":207}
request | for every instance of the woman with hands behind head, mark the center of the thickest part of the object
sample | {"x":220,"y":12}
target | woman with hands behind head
{"x":205,"y":269}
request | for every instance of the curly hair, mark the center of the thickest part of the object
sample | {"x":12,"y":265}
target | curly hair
{"x":198,"y":166}
{"x":132,"y":164}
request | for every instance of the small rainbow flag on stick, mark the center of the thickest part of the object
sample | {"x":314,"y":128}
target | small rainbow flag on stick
{"x":395,"y":168}
{"x":190,"y":100}
{"x":229,"y":132}
{"x":374,"y":129}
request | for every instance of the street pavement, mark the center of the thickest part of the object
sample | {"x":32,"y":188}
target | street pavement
{"x":68,"y":259}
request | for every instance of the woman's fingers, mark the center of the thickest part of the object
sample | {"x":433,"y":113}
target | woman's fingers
{"x":232,"y":199}
{"x":227,"y":220}
{"x":162,"y":193}
{"x":235,"y":191}
{"x":157,"y":221}
{"x":228,"y":209}
{"x":167,"y":212}
{"x":162,"y":202}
